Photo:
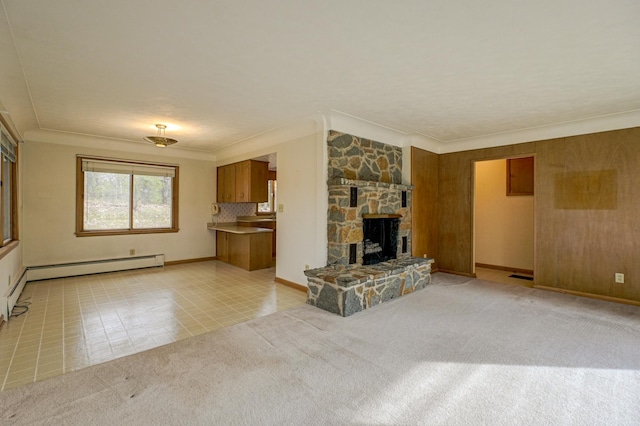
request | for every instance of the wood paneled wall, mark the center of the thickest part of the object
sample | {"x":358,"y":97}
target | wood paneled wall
{"x":588,"y":213}
{"x":455,"y":225}
{"x":424,"y":204}
{"x":587,"y":210}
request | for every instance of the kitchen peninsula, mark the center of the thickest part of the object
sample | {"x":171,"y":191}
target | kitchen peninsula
{"x":247,"y":247}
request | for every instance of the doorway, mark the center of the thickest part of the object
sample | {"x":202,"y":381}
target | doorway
{"x":503,"y":224}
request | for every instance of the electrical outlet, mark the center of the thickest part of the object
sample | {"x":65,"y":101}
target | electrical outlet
{"x":306,"y":267}
{"x":132,"y":252}
{"x":619,"y":278}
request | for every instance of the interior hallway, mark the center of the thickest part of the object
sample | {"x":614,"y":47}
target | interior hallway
{"x":503,"y":277}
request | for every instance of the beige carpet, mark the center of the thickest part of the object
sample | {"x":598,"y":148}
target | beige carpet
{"x":458,"y":352}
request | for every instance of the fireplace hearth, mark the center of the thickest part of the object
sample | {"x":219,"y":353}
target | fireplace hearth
{"x":368,"y":229}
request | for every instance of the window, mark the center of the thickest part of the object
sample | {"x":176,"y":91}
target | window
{"x":270,"y":206}
{"x":117,"y":197}
{"x":8,"y":187}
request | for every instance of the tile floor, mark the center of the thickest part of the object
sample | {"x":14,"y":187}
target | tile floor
{"x":76,"y":322}
{"x":498,"y":276}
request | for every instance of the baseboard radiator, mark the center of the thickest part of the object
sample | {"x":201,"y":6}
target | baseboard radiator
{"x":10,"y":301}
{"x":45,"y":272}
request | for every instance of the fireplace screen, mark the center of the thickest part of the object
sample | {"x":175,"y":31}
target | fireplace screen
{"x":380,"y":240}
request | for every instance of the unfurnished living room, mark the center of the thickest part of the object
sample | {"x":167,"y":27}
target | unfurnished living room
{"x":339,"y":212}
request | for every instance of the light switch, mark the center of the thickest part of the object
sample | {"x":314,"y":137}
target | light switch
{"x":280,"y":208}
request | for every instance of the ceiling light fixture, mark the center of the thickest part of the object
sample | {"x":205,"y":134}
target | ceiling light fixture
{"x":160,"y":140}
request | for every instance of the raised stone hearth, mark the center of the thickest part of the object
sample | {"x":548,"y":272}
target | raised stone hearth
{"x":345,"y":290}
{"x":368,"y":229}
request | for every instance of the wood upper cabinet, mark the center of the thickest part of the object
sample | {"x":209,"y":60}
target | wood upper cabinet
{"x":227,"y":184}
{"x":243,"y":182}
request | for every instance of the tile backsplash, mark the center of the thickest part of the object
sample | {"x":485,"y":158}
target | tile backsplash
{"x":230,"y":211}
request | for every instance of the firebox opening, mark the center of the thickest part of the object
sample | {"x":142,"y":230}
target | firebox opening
{"x":380,"y":240}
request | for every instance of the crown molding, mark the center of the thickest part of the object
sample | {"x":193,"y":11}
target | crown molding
{"x":604,"y":123}
{"x":265,"y":142}
{"x":363,"y":128}
{"x":86,"y":141}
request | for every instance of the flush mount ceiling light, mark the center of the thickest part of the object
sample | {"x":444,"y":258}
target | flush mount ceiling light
{"x":160,"y":140}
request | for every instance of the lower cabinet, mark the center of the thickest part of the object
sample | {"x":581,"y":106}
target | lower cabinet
{"x":246,"y":251}
{"x":268,"y":225}
{"x":222,"y":246}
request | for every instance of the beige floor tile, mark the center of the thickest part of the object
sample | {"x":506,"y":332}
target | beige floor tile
{"x":76,"y":322}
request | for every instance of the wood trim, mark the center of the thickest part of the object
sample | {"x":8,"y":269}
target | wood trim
{"x":183,"y":261}
{"x":291,"y":284}
{"x":126,"y":232}
{"x":8,"y":248}
{"x":504,"y":268}
{"x":175,"y":223}
{"x":80,"y":232}
{"x":381,"y":216}
{"x":589,"y":295}
{"x":15,"y":229}
{"x":79,"y":196}
{"x":14,"y":184}
{"x":464,"y":274}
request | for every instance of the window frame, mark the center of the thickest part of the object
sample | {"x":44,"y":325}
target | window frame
{"x":80,"y":182}
{"x":273,"y":196}
{"x":8,"y":245}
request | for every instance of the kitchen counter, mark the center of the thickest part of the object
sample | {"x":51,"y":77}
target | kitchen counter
{"x":253,"y":219}
{"x":234,"y":229}
{"x":247,"y":247}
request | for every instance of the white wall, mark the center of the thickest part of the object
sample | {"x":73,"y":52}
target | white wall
{"x":503,"y":225}
{"x":49,"y":200}
{"x":302,"y":190}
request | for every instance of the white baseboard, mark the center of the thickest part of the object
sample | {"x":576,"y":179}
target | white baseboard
{"x":14,"y":294}
{"x":44,"y":272}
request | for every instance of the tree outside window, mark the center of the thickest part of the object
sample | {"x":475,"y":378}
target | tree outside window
{"x":118,"y":197}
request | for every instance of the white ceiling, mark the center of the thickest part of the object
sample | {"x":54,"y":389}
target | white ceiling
{"x":219,"y":72}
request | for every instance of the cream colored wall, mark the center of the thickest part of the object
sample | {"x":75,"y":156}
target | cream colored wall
{"x":503,"y":225}
{"x":49,"y":182}
{"x":301,"y":236}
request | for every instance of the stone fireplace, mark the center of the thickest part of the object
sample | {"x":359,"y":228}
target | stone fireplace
{"x":368,"y":229}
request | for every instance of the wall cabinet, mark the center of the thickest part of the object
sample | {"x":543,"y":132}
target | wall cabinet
{"x":243,"y":182}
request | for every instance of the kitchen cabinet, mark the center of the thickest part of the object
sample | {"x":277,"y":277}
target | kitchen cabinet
{"x":243,"y":182}
{"x":246,"y":247}
{"x":222,"y":246}
{"x":227,"y":184}
{"x":263,"y":223}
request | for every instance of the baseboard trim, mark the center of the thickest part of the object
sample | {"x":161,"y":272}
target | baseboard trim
{"x":198,"y":259}
{"x":505,"y":268}
{"x":464,"y":274}
{"x":589,"y":295}
{"x":291,"y":284}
